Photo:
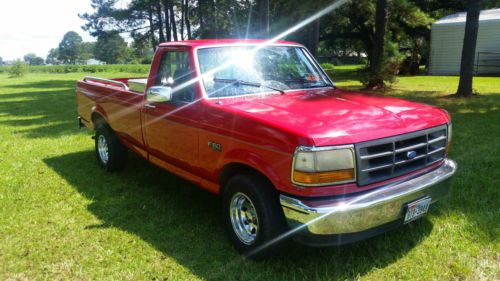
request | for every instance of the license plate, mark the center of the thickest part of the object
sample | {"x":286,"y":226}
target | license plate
{"x":417,"y":209}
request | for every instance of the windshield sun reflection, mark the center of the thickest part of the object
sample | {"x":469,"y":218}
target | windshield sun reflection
{"x":278,"y":67}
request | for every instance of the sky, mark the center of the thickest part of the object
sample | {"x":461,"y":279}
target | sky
{"x":36,"y":26}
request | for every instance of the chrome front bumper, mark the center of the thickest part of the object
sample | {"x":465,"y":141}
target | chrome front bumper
{"x":360,"y":213}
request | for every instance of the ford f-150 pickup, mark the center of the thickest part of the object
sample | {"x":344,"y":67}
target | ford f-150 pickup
{"x":261,"y":124}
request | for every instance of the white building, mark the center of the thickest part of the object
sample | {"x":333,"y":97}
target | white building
{"x":94,"y":62}
{"x":447,"y":37}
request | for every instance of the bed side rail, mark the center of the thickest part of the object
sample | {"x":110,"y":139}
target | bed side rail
{"x":107,"y":81}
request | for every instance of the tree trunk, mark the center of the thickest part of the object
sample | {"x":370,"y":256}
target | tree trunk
{"x":151,"y":27}
{"x":160,"y":22}
{"x":182,"y":20}
{"x":200,"y":18}
{"x":186,"y":19}
{"x":469,"y":48}
{"x":172,"y":20}
{"x":381,"y":15}
{"x":167,"y":20}
{"x":213,"y":11}
{"x":314,"y":37}
{"x":368,"y":44}
{"x":263,"y":8}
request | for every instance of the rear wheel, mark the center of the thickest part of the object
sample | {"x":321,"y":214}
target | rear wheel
{"x":253,"y":216}
{"x":111,"y":153}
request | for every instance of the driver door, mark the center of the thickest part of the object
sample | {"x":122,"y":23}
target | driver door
{"x":170,"y":126}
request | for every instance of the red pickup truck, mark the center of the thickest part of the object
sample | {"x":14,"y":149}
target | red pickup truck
{"x":261,"y":124}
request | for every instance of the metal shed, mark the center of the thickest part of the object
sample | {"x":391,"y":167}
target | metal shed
{"x":447,"y":37}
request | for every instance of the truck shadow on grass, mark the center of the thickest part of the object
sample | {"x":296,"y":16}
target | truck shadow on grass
{"x":184,"y":223}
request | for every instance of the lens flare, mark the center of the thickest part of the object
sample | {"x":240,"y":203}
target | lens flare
{"x":269,"y":42}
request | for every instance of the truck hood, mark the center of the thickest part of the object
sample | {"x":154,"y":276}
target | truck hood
{"x":334,"y":116}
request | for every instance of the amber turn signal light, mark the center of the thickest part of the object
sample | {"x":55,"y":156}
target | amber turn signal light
{"x":323,"y":177}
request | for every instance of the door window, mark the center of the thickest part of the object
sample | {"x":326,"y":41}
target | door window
{"x":176,"y":72}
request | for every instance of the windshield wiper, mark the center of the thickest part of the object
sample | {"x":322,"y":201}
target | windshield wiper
{"x":238,"y":82}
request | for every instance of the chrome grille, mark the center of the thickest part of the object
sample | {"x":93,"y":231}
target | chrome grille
{"x":391,"y":157}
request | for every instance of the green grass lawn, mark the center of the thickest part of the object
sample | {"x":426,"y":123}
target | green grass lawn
{"x":61,"y":217}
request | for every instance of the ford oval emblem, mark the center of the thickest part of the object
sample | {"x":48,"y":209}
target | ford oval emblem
{"x":411,"y":154}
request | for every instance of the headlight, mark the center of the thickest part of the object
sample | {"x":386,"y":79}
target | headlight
{"x":323,"y":165}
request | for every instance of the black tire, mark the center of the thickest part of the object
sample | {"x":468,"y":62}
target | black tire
{"x":271,"y":220}
{"x":116,"y":151}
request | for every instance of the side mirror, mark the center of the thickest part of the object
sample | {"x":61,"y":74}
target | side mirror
{"x":159,"y":94}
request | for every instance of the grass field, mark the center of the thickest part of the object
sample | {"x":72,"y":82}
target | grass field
{"x":61,"y":217}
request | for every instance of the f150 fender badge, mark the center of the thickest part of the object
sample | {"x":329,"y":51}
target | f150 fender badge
{"x":215,"y":146}
{"x":411,"y":154}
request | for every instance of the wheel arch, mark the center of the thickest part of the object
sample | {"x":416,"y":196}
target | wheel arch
{"x":98,"y":118}
{"x":237,"y":168}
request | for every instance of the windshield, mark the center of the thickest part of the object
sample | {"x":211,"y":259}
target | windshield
{"x":244,"y":70}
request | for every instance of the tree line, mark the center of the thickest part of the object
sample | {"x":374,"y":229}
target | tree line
{"x":390,"y":36}
{"x":110,"y":48}
{"x":347,"y":32}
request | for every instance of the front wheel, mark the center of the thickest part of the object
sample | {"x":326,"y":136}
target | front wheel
{"x":111,"y":153}
{"x":253,"y":217}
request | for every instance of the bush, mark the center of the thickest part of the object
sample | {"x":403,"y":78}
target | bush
{"x":388,"y":69}
{"x":18,"y":69}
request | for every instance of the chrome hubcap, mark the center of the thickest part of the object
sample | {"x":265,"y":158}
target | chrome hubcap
{"x":244,"y":218}
{"x":102,"y":148}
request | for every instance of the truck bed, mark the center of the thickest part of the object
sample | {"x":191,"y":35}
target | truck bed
{"x":118,"y":100}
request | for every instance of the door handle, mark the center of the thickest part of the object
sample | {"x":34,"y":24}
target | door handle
{"x":150,"y":106}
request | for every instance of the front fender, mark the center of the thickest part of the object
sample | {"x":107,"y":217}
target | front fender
{"x":262,"y":163}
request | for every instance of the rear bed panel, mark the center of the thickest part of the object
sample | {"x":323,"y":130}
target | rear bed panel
{"x":120,"y":108}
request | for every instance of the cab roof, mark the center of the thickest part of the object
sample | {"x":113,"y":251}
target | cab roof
{"x":218,"y":42}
